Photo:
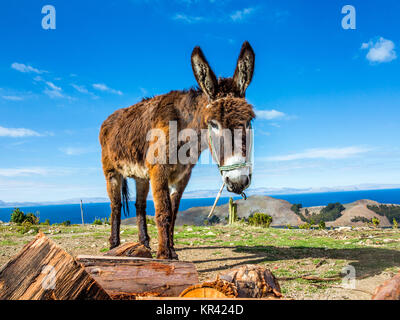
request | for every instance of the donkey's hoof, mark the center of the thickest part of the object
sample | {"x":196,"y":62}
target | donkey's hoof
{"x":146,"y":244}
{"x":114,"y":244}
{"x":166,"y":255}
{"x":174,"y":256}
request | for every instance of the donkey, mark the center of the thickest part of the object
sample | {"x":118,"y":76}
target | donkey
{"x":216,"y":105}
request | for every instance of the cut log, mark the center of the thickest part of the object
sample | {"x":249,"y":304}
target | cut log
{"x":211,"y":290}
{"x":389,"y":290}
{"x":130,"y":249}
{"x":44,"y":271}
{"x":128,"y":278}
{"x":253,"y":281}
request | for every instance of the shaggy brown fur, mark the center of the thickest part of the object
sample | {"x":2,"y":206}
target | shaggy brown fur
{"x":125,"y":147}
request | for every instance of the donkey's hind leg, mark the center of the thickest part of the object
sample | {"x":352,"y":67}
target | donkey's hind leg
{"x":114,"y":184}
{"x":142,"y":189}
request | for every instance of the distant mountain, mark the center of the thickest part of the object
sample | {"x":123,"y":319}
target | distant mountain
{"x":211,"y":193}
{"x":279,"y":191}
{"x":49,"y":203}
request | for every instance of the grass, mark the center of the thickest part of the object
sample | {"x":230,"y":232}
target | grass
{"x":288,"y":253}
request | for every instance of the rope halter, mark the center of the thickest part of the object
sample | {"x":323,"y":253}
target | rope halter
{"x":231,"y":167}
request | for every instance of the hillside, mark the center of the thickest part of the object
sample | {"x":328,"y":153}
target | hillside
{"x":359,"y":209}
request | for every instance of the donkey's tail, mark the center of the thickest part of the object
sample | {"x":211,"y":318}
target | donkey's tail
{"x":125,"y":197}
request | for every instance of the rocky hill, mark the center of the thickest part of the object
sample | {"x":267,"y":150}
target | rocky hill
{"x":281,"y":212}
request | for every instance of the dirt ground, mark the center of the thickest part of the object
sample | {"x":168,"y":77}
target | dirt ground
{"x":291,"y":254}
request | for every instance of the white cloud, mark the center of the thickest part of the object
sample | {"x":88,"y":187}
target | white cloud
{"x":240,"y":15}
{"x":269,"y":114}
{"x":22,"y":172}
{"x":187,"y":19}
{"x":53,"y":86}
{"x":382,"y":50}
{"x":12,"y":98}
{"x":26,"y":68}
{"x":17,"y":132}
{"x":103,"y":87}
{"x":75,"y":151}
{"x":53,"y":91}
{"x":80,"y":89}
{"x":323,"y":153}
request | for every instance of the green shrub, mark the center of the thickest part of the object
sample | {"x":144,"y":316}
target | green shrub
{"x":66,"y":223}
{"x":322,"y":225}
{"x":296,"y":208}
{"x":27,"y":226}
{"x":375,"y":222}
{"x":389,"y":211}
{"x":361,"y":219}
{"x":306,"y":226}
{"x":46,"y":222}
{"x":97,"y":222}
{"x":17,"y":216}
{"x":32,"y":218}
{"x":212,"y":220}
{"x":150,"y":221}
{"x":260,"y":220}
{"x":395,"y":224}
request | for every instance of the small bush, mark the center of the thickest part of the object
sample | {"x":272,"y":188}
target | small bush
{"x":260,"y":220}
{"x":375,"y":222}
{"x":322,"y":225}
{"x":97,"y":222}
{"x":32,"y":218}
{"x":150,"y":221}
{"x":306,"y":226}
{"x":66,"y":223}
{"x":17,"y":216}
{"x":395,"y":224}
{"x":27,"y":226}
{"x":46,"y":222}
{"x":212,"y":220}
{"x":361,"y":219}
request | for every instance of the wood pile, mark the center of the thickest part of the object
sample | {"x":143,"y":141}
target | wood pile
{"x":44,"y":271}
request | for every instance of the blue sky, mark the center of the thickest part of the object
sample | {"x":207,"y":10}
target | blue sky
{"x":327,"y":99}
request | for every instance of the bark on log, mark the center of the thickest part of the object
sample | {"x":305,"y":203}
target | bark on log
{"x":253,"y":281}
{"x":128,"y":278}
{"x":389,"y":290}
{"x":130,"y":249}
{"x":44,"y":271}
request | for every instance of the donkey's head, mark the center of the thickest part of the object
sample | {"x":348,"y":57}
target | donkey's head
{"x":228,"y":116}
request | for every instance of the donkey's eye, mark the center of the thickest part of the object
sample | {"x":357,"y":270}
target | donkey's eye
{"x":214,"y":125}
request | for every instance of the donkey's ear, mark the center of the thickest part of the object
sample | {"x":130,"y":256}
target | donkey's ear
{"x":244,"y":68}
{"x":205,"y":77}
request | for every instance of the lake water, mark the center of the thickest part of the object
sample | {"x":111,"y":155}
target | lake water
{"x":72,"y":212}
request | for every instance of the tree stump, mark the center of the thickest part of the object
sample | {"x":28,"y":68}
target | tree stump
{"x":44,"y":271}
{"x":389,"y":290}
{"x":253,"y":281}
{"x":128,"y":277}
{"x":211,"y":290}
{"x":130,"y":249}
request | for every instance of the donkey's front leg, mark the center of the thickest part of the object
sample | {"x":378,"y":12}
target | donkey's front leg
{"x":162,"y":204}
{"x":114,"y":183}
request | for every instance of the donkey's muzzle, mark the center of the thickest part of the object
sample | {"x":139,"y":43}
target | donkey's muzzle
{"x":237,"y":185}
